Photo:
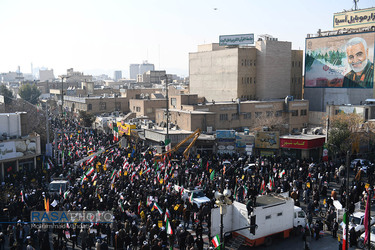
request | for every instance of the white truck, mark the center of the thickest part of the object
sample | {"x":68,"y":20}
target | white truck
{"x":275,"y":216}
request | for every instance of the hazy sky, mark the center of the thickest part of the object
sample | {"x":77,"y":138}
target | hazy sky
{"x":95,"y":36}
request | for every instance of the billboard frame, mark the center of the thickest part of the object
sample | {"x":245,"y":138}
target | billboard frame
{"x":319,"y":37}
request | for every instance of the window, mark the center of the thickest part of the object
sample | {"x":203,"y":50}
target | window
{"x":279,"y":113}
{"x":242,"y":62}
{"x":254,"y":62}
{"x":242,"y":80}
{"x":303,"y":112}
{"x":294,"y":112}
{"x":137,"y":109}
{"x":269,"y":113}
{"x":247,"y":116}
{"x":89,"y":107}
{"x":223,"y":117}
{"x":248,"y":80}
{"x":118,"y":106}
{"x":299,"y":64}
{"x":258,"y":114}
{"x":173,"y":102}
{"x":268,"y":217}
{"x":254,"y":80}
{"x":235,"y":116}
{"x":251,"y":62}
{"x":280,"y":214}
{"x":102,"y":106}
{"x":251,"y":80}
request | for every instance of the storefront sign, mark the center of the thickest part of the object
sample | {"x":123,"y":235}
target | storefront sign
{"x":267,"y":139}
{"x":301,"y":143}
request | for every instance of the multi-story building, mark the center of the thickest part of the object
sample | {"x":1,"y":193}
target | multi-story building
{"x":140,"y":69}
{"x":18,"y":149}
{"x":117,"y":75}
{"x":188,"y":113}
{"x":96,"y":104}
{"x":268,"y":70}
{"x":146,"y":108}
{"x":46,"y":75}
{"x":74,"y":78}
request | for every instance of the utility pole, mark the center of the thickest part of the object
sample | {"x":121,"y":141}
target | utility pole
{"x":347,"y":200}
{"x":166,"y":89}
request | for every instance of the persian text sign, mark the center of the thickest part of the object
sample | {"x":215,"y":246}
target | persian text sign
{"x":236,"y":39}
{"x":354,"y":19}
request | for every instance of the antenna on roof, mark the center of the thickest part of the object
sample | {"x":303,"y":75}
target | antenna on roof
{"x":355,"y":4}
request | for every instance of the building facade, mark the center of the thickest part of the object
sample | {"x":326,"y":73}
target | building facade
{"x":293,"y":114}
{"x":268,"y":70}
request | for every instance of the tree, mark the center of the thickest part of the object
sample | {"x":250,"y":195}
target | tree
{"x":29,"y":93}
{"x":274,"y":123}
{"x":344,"y":130}
{"x":8,"y":94}
{"x":86,"y":119}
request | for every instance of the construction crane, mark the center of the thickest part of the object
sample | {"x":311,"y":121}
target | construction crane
{"x":186,"y":153}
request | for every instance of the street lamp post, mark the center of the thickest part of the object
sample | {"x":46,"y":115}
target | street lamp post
{"x":222,"y":200}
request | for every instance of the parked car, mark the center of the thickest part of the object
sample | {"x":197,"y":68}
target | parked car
{"x":356,"y":220}
{"x":361,"y":241}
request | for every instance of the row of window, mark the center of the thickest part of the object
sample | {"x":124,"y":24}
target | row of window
{"x":296,"y":64}
{"x":103,"y":106}
{"x":302,"y":113}
{"x":246,"y":116}
{"x":247,"y":80}
{"x":248,"y":62}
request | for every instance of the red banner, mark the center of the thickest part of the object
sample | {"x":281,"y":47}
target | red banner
{"x":301,"y":143}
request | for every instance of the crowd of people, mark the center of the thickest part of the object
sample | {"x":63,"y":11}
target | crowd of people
{"x":149,"y":212}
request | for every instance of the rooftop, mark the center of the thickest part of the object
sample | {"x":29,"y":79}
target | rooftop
{"x":266,"y":200}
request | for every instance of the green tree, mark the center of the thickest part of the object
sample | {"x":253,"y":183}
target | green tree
{"x":29,"y":93}
{"x":345,"y":129}
{"x":8,"y":95}
{"x":86,"y":119}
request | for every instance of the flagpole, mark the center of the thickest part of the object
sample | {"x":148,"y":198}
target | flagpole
{"x":369,"y":216}
{"x":347,"y":202}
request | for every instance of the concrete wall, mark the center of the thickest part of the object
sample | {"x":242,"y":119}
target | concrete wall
{"x":296,"y":74}
{"x":319,"y":97}
{"x":146,"y":107}
{"x":273,"y":69}
{"x":317,"y":119}
{"x":214,"y":74}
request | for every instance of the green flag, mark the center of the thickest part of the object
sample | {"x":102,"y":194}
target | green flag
{"x":344,"y":219}
{"x":212,"y":175}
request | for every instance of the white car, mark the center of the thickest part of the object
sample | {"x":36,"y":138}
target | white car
{"x":356,"y":220}
{"x":199,"y":197}
{"x":361,"y":239}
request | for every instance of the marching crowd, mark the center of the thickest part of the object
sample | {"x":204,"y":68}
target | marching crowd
{"x":149,"y":211}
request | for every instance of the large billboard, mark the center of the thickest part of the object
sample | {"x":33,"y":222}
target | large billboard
{"x":345,"y":61}
{"x":354,"y":19}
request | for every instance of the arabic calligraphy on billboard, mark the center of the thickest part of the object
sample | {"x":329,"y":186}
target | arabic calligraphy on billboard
{"x":267,"y":139}
{"x":236,"y":39}
{"x":345,"y":61}
{"x":301,"y":143}
{"x":354,"y":19}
